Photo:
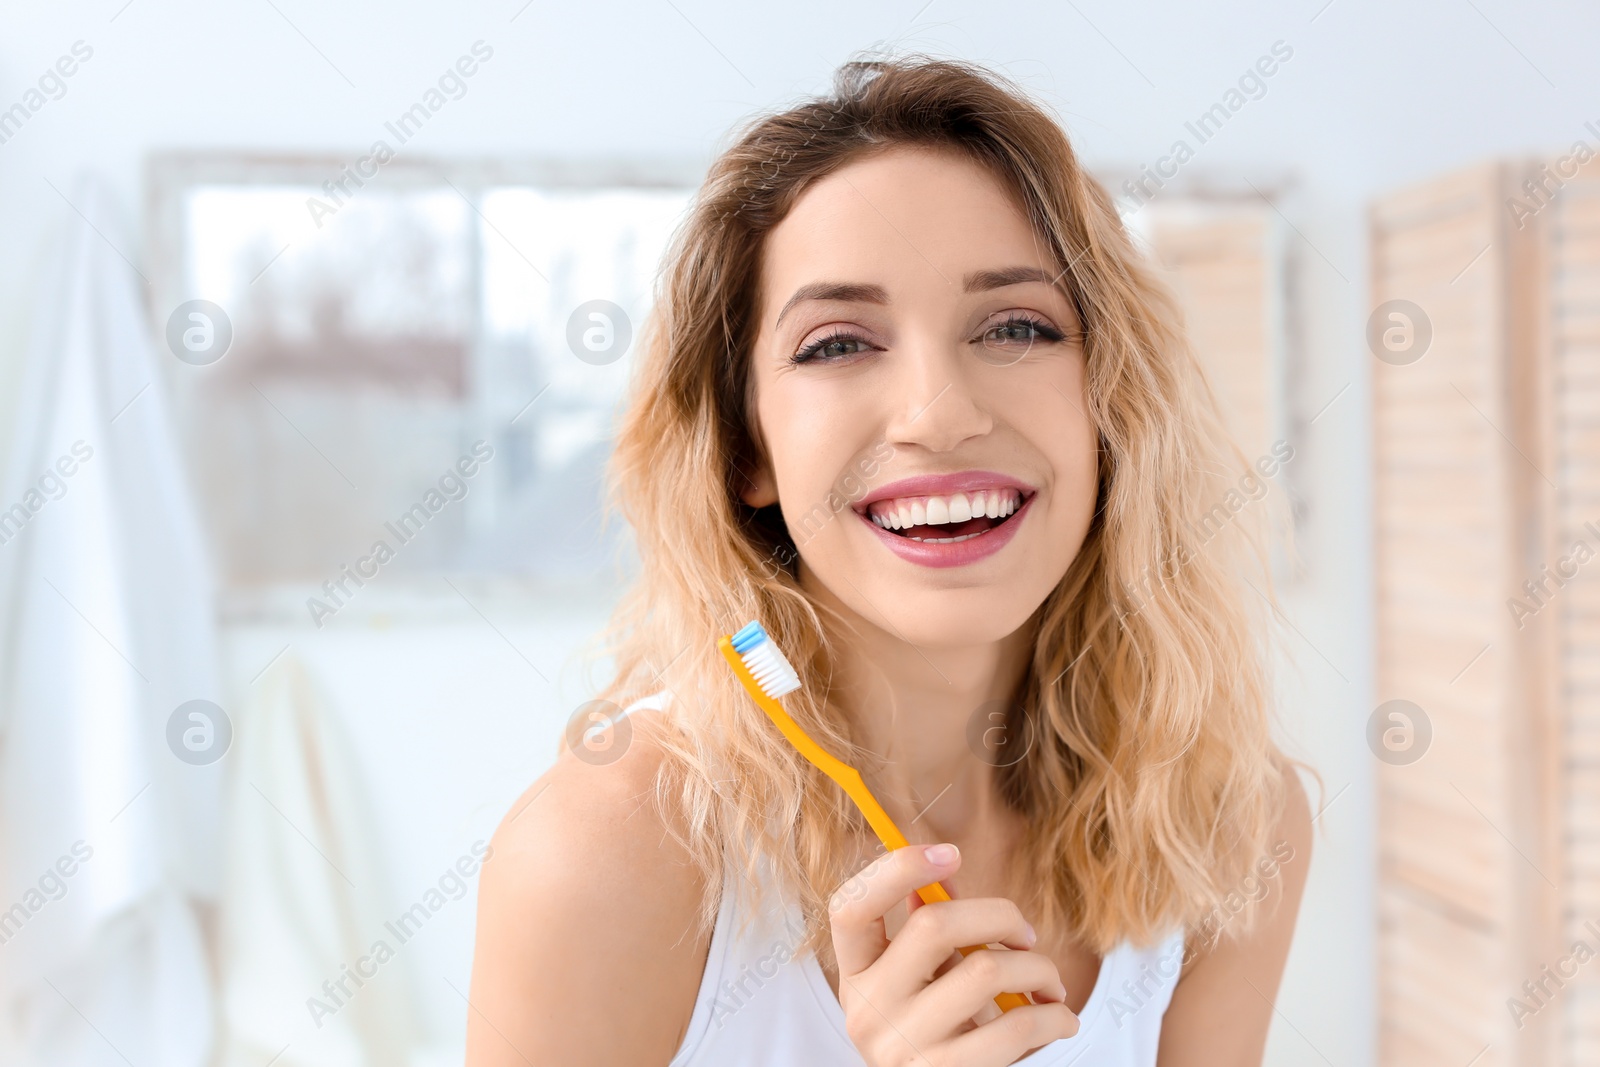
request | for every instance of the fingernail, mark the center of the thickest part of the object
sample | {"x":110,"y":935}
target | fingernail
{"x":941,"y":855}
{"x":1032,"y":937}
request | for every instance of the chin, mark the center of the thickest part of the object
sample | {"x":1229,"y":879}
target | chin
{"x":934,"y":608}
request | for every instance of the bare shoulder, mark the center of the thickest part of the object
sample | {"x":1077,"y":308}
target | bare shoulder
{"x":1291,"y":848}
{"x":1294,"y":822}
{"x":1222,"y":1005}
{"x":587,"y":950}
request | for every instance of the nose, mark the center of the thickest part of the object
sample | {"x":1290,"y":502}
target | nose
{"x":934,"y":403}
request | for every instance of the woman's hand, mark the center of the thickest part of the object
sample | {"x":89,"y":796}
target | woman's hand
{"x":906,"y":1002}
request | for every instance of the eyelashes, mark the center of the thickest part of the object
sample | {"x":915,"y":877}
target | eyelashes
{"x":833,"y":346}
{"x":813,"y":352}
{"x":1035,"y":326}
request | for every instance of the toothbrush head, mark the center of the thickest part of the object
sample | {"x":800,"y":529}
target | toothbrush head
{"x":766,"y":664}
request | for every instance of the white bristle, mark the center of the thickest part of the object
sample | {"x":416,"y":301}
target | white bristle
{"x":771,"y":671}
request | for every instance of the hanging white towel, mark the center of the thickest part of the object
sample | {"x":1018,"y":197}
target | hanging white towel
{"x":108,"y":626}
{"x":313,"y":974}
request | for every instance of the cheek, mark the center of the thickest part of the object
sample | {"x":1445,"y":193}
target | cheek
{"x":1075,"y":485}
{"x":1060,"y":430}
{"x":1079,"y":464}
{"x":1052,"y":412}
{"x":792,"y":415}
{"x":818,"y":434}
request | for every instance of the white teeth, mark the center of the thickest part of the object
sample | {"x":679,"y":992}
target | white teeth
{"x":903,"y":513}
{"x":945,"y":540}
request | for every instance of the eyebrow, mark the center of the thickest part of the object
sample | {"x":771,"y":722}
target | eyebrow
{"x":852,"y":292}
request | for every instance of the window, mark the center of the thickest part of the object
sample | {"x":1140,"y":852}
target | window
{"x":380,"y":333}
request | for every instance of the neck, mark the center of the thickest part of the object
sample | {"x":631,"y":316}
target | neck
{"x":915,"y":708}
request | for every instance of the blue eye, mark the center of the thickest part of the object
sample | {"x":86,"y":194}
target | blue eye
{"x":833,"y":346}
{"x":1020,"y":330}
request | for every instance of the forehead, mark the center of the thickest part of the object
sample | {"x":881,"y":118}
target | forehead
{"x":903,"y":217}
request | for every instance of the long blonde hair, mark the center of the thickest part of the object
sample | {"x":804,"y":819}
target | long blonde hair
{"x":1151,"y":782}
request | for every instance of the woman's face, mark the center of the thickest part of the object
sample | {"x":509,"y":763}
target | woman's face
{"x":919,"y":386}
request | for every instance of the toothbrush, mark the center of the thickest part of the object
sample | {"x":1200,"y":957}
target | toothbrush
{"x":767,"y":675}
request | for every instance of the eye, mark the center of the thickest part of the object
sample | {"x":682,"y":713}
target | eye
{"x":1018,"y":330}
{"x":834,"y":346}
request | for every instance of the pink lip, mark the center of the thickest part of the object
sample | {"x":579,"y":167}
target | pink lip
{"x":943,"y":485}
{"x":961,"y":553}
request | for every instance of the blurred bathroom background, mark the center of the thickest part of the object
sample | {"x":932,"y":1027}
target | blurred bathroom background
{"x":314,"y":321}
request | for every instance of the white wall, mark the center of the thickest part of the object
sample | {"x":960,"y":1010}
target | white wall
{"x":449,"y":718}
{"x":1374,"y":95}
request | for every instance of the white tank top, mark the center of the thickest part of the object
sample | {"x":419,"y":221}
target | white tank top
{"x":763,"y":1003}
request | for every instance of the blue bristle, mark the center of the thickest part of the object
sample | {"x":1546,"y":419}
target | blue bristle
{"x":749,"y":637}
{"x":768,"y":668}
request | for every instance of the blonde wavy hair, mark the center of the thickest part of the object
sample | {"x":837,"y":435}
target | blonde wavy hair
{"x":1151,"y":783}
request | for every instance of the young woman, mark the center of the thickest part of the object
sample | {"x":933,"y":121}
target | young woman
{"x":911,"y":399}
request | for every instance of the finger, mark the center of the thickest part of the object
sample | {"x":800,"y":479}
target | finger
{"x":990,"y":1009}
{"x":1003,"y":1040}
{"x":932,"y":931}
{"x":857,"y":908}
{"x":971,"y":986}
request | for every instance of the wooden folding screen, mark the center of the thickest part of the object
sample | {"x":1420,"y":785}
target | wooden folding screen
{"x":1574,"y":287}
{"x":1486,"y":393}
{"x":1225,"y":263}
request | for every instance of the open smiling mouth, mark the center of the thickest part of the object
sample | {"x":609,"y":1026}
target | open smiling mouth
{"x":947,"y":519}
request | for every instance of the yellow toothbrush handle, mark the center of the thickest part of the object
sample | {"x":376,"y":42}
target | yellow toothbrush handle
{"x":936,"y":891}
{"x":850,"y":781}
